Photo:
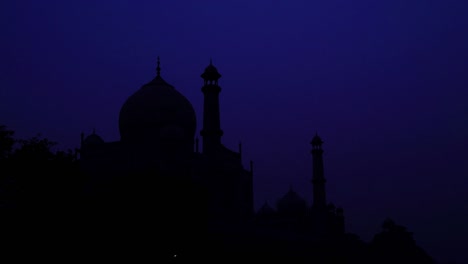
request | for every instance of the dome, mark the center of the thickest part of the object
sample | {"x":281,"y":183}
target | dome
{"x":93,"y":139}
{"x":291,"y":201}
{"x":266,"y":210}
{"x":155,"y":112}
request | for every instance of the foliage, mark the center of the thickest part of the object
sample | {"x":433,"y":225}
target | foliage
{"x":6,"y":141}
{"x":32,"y":174}
{"x":394,"y":244}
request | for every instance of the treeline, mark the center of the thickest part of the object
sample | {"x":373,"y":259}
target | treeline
{"x":33,"y":175}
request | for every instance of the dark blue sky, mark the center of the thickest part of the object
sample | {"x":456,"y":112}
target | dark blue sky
{"x":383,"y":82}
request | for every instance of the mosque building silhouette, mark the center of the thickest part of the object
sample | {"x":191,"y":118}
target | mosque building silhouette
{"x":157,"y":178}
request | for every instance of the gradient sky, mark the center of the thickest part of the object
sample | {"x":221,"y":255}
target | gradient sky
{"x":383,"y":82}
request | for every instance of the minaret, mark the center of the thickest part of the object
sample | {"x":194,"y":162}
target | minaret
{"x":211,"y":131}
{"x":318,"y":178}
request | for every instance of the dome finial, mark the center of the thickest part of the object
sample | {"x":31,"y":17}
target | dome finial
{"x":211,"y":61}
{"x":158,"y":68}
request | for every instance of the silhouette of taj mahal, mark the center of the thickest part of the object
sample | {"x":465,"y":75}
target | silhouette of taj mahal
{"x":158,"y":160}
{"x":187,"y":203}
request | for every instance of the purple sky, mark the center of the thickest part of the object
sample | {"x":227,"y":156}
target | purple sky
{"x":385,"y":84}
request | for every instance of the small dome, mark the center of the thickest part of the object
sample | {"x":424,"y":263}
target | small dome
{"x":93,"y":139}
{"x":156,"y":111}
{"x":291,"y":201}
{"x":266,"y":210}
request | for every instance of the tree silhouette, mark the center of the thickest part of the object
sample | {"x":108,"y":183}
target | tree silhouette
{"x":39,"y":192}
{"x":35,"y":150}
{"x":33,"y":175}
{"x":6,"y":142}
{"x":394,"y":244}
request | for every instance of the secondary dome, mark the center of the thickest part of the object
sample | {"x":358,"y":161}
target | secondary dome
{"x":157,"y":111}
{"x":93,"y":139}
{"x":291,"y":202}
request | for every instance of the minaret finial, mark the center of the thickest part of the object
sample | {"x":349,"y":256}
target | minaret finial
{"x":158,"y":68}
